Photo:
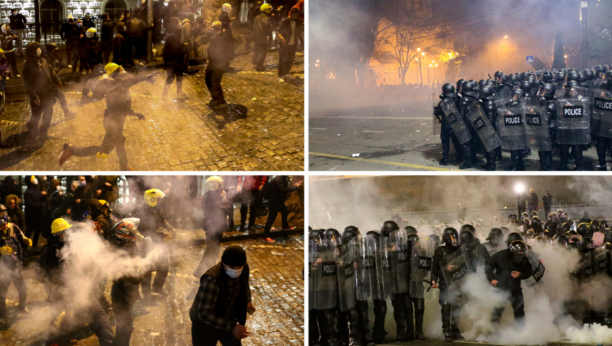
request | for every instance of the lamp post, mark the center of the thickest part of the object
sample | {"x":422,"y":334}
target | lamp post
{"x":420,"y":69}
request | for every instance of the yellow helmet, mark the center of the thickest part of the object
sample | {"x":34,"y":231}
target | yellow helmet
{"x":103,"y":202}
{"x":33,"y":180}
{"x":213,"y":183}
{"x":1,"y":51}
{"x":153,"y":196}
{"x":217,"y":24}
{"x":267,"y":8}
{"x":111,"y":67}
{"x":59,"y":225}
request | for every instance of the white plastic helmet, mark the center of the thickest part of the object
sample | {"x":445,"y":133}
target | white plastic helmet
{"x":91,"y":32}
{"x":213,"y":183}
{"x":227,"y":8}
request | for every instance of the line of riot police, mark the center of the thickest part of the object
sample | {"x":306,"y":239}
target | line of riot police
{"x":403,"y":265}
{"x":521,"y":112}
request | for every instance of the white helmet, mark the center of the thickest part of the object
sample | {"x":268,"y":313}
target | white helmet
{"x":213,"y":183}
{"x":91,"y":32}
{"x":227,"y":8}
{"x":5,"y":28}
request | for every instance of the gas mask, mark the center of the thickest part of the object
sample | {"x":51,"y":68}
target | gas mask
{"x":517,"y":249}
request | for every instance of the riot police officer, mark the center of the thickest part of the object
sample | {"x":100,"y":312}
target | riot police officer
{"x":547,"y":98}
{"x":447,"y":133}
{"x":494,"y":241}
{"x":505,"y":270}
{"x":450,"y":308}
{"x":345,"y":273}
{"x":468,"y":95}
{"x":420,"y":266}
{"x":511,"y":129}
{"x":487,"y":100}
{"x":601,"y":103}
{"x":364,"y":274}
{"x":573,"y":122}
{"x":323,"y":289}
{"x":476,"y":252}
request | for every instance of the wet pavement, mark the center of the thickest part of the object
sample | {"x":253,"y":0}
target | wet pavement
{"x":177,"y":135}
{"x":277,"y":291}
{"x":394,"y":138}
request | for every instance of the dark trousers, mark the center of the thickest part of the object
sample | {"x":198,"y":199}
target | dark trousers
{"x":521,"y":210}
{"x":545,"y":160}
{"x":161,"y":268}
{"x":380,"y":313}
{"x":42,"y":111}
{"x":123,"y":295}
{"x":364,"y":322}
{"x":402,"y":312}
{"x":325,"y":319}
{"x":213,"y":247}
{"x":33,"y":230}
{"x":259,"y":56}
{"x":313,"y":329}
{"x":62,"y":100}
{"x":213,"y":79}
{"x":15,"y":276}
{"x":516,"y":160}
{"x":446,"y":136}
{"x":518,"y":305}
{"x":131,"y":42}
{"x":577,"y":153}
{"x":72,"y":54}
{"x":107,"y":48}
{"x":140,"y":45}
{"x":546,"y":211}
{"x":451,"y":311}
{"x":602,"y":145}
{"x":100,"y":324}
{"x":175,"y":72}
{"x":112,"y":140}
{"x":273,"y":211}
{"x":532,"y":208}
{"x":12,"y":60}
{"x":249,"y":199}
{"x":203,"y":334}
{"x":286,"y":55}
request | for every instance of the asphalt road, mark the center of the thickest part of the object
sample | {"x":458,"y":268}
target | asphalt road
{"x":392,"y":138}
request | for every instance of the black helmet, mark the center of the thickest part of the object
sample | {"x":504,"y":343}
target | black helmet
{"x":468,"y":89}
{"x":388,"y":227}
{"x":513,"y":237}
{"x":333,"y":235}
{"x":518,"y":91}
{"x":495,"y":236}
{"x":315,"y":234}
{"x":551,"y":107}
{"x":526,"y":86}
{"x":497,"y":74}
{"x":467,"y":228}
{"x":434,"y":238}
{"x":587,"y":244}
{"x":583,"y":229}
{"x":588,"y":75}
{"x":560,"y":76}
{"x":482,"y":83}
{"x":448,"y":90}
{"x":410,"y":230}
{"x":413,"y":238}
{"x":486,"y":93}
{"x":595,"y":225}
{"x":373,"y":234}
{"x":547,"y":90}
{"x":517,"y":249}
{"x":562,"y":241}
{"x":466,"y":237}
{"x":565,"y":227}
{"x":459,"y":84}
{"x":450,"y":237}
{"x":349,"y":233}
{"x":573,"y":75}
{"x":574,"y":243}
{"x":547,"y":77}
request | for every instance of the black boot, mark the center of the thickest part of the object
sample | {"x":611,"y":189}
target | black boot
{"x":380,"y":312}
{"x":419,"y":311}
{"x":364,"y":323}
{"x":443,"y":162}
{"x":399,"y":314}
{"x":456,"y":333}
{"x":326,"y":326}
{"x":498,"y":154}
{"x":446,"y":322}
{"x":354,"y":327}
{"x":313,"y":329}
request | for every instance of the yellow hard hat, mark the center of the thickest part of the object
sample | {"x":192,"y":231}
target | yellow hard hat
{"x":59,"y":225}
{"x":111,"y":67}
{"x":216,"y":23}
{"x":1,"y":51}
{"x":103,"y":202}
{"x":33,"y":180}
{"x":152,"y":197}
{"x":213,"y":183}
{"x":267,"y":8}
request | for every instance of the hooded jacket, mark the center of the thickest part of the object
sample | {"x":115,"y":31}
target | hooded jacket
{"x":262,"y":28}
{"x":91,"y":52}
{"x":38,"y":77}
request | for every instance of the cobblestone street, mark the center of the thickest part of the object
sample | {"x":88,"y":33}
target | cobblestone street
{"x":179,"y":134}
{"x":276,"y":284}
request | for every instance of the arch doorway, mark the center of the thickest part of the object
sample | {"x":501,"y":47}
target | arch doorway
{"x":114,"y":8}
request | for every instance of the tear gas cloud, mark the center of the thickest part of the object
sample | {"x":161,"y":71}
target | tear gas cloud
{"x":366,"y":202}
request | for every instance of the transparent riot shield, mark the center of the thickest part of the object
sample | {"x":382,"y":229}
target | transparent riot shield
{"x":537,"y":134}
{"x":346,"y":277}
{"x":381,"y":288}
{"x":420,"y":268}
{"x":453,"y":117}
{"x":601,"y":108}
{"x":436,"y":125}
{"x":585,"y":267}
{"x":454,"y":267}
{"x":601,"y":261}
{"x":312,"y":259}
{"x":502,"y":95}
{"x":365,"y":274}
{"x":385,"y":282}
{"x":480,"y":122}
{"x":536,"y":265}
{"x":511,"y":126}
{"x":431,"y":244}
{"x":573,"y":118}
{"x":324,"y":275}
{"x":400,"y":265}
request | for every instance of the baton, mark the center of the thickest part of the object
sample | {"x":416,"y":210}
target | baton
{"x":430,"y":284}
{"x":489,"y":76}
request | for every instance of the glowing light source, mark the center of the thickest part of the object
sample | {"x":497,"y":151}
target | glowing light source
{"x":418,"y":49}
{"x":506,"y":37}
{"x":429,"y":65}
{"x":436,"y":65}
{"x":423,"y":54}
{"x":519,"y":188}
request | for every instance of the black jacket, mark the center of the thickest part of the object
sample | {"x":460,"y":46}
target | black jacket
{"x":71,"y":32}
{"x":34,"y":205}
{"x":532,"y":199}
{"x":91,"y":52}
{"x":120,"y":48}
{"x":174,"y":51}
{"x":39,"y":79}
{"x":8,"y":187}
{"x":262,"y":28}
{"x":436,"y":270}
{"x":500,"y":266}
{"x":547,"y":200}
{"x":225,"y":22}
{"x":17,"y":21}
{"x":218,"y":52}
{"x":107,"y":31}
{"x":6,"y":42}
{"x":151,"y":220}
{"x":477,"y":253}
{"x":279,"y":190}
{"x":284,"y":29}
{"x":50,"y":260}
{"x":17,"y":241}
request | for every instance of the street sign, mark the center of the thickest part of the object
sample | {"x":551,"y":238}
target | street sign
{"x":530,"y":59}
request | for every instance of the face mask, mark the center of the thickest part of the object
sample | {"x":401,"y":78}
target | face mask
{"x":233,"y":273}
{"x":79,"y":24}
{"x":38,"y":51}
{"x":82,"y":183}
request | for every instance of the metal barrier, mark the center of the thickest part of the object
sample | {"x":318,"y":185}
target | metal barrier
{"x":50,"y":32}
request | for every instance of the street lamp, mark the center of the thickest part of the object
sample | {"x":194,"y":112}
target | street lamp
{"x":506,"y":37}
{"x":519,"y":188}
